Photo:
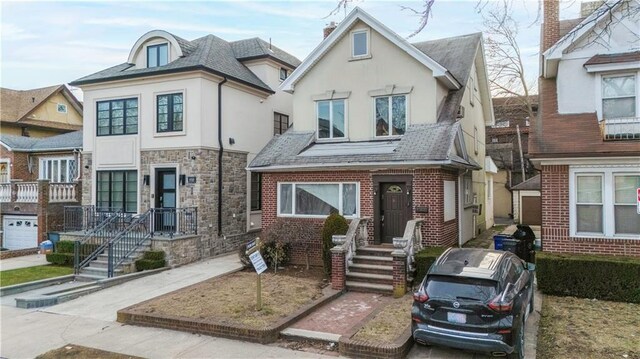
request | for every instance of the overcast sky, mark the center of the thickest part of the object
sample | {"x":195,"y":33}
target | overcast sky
{"x":48,"y":43}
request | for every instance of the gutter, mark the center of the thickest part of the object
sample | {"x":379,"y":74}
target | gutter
{"x":399,"y":164}
{"x":220,"y":152}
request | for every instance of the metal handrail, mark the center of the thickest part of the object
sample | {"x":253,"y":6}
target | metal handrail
{"x":93,"y":243}
{"x":128,"y":240}
{"x":174,"y":221}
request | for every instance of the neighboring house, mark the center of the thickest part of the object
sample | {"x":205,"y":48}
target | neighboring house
{"x":175,"y":126}
{"x":586,"y":140}
{"x":39,"y":177}
{"x":383,"y":129}
{"x":503,"y":145}
{"x":527,"y":204}
{"x":42,"y":112}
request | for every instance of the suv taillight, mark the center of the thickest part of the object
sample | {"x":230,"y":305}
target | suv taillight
{"x":497,"y":305}
{"x":420,"y":296}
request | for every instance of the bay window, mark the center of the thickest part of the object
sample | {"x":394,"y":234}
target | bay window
{"x":390,"y":115}
{"x":331,"y":119}
{"x":318,"y":199}
{"x":60,"y":169}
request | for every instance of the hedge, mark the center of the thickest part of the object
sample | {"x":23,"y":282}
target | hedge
{"x":145,"y":264}
{"x":64,"y":246}
{"x":424,"y":260}
{"x":153,"y":255}
{"x":589,"y":276}
{"x":61,"y":259}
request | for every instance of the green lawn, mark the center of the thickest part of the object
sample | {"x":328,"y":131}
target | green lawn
{"x":23,"y":275}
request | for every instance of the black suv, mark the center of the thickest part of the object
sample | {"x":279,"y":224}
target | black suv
{"x":474,"y":299}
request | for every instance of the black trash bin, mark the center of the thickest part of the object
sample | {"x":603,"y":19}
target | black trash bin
{"x":513,"y":245}
{"x":525,"y":234}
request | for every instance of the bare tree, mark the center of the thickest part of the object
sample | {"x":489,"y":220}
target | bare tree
{"x":506,"y":70}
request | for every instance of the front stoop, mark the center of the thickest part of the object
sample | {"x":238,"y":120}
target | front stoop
{"x":98,"y":268}
{"x":371,"y":270}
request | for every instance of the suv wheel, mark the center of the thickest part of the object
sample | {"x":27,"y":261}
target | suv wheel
{"x":518,"y":350}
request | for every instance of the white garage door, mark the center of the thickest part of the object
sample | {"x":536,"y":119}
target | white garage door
{"x":20,"y":232}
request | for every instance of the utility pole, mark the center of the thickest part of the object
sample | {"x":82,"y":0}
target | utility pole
{"x":521,"y":155}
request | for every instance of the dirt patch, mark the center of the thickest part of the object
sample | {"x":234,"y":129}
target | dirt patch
{"x":72,"y":351}
{"x":231,"y":299}
{"x":584,"y":328}
{"x":389,"y":323}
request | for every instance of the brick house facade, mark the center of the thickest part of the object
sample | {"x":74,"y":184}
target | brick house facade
{"x":590,"y":168}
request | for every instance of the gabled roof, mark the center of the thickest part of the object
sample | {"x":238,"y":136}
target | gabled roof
{"x":208,"y":53}
{"x":257,"y":48}
{"x":17,"y":105}
{"x":68,"y":141}
{"x":421,"y":145}
{"x":357,"y":14}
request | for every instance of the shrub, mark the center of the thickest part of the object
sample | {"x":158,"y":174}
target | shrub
{"x":424,"y":259}
{"x":335,"y":224}
{"x":589,"y":276}
{"x":64,"y":246}
{"x":147,"y":264}
{"x":61,"y":259}
{"x":153,"y":255}
{"x":276,"y":253}
{"x":294,"y":234}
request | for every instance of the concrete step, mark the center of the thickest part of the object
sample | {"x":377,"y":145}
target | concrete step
{"x":371,"y":268}
{"x":101,"y":271}
{"x":381,"y":251}
{"x":369,"y":287}
{"x":104,"y":263}
{"x":376,"y":260}
{"x":76,"y":293}
{"x":370,"y":278}
{"x":294,"y":334}
{"x":85,"y":277}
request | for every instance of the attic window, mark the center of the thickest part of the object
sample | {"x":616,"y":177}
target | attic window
{"x":360,"y":43}
{"x":283,"y":73}
{"x":62,"y":108}
{"x":157,"y":55}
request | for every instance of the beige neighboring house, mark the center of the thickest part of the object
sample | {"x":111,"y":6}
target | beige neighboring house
{"x":383,"y":129}
{"x":42,"y":112}
{"x":173,"y":129}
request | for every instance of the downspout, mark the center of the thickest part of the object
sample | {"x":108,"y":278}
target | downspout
{"x":220,"y":152}
{"x":461,"y":205}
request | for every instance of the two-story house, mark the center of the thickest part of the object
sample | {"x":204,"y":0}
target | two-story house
{"x":382,"y":129}
{"x":174,"y":127}
{"x":586,"y":140}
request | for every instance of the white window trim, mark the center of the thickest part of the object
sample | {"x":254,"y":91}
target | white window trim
{"x":346,"y":121}
{"x":352,"y":35}
{"x":156,"y":43}
{"x":608,"y":196}
{"x":155,"y":114}
{"x":42,"y":168}
{"x":293,"y":199}
{"x":598,"y":89}
{"x":406,"y":114}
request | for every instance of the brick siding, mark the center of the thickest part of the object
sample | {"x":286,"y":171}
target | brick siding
{"x":555,"y":221}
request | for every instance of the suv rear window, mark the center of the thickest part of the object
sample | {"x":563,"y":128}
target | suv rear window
{"x":446,"y":287}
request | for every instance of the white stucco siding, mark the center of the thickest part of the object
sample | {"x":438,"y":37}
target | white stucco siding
{"x":576,"y":87}
{"x":388,"y":65}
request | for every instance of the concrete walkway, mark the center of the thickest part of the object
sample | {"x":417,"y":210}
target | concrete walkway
{"x":90,"y":321}
{"x":31,"y":260}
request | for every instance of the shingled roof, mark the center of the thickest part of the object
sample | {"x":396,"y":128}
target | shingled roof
{"x":424,"y":144}
{"x":67,"y":141}
{"x":208,"y":53}
{"x":16,"y":105}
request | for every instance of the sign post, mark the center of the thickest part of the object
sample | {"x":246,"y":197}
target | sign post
{"x":259,"y":265}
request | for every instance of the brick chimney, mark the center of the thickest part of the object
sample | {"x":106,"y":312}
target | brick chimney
{"x":551,"y":24}
{"x":329,"y":29}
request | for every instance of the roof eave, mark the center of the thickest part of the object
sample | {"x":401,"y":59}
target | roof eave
{"x":346,"y":166}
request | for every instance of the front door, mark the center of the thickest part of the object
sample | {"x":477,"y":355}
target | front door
{"x":395,"y":210}
{"x":165,"y":215}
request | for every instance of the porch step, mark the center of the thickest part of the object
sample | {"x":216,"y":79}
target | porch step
{"x":369,"y":287}
{"x":101,"y":272}
{"x":84,"y":277}
{"x":375,"y":251}
{"x":371,"y":268}
{"x":370,"y":278}
{"x":104,"y":262}
{"x":376,"y":260}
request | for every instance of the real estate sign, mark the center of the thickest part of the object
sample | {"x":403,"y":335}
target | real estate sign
{"x":258,"y":262}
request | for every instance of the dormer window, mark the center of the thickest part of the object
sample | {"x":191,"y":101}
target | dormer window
{"x":360,"y":43}
{"x":283,"y":73}
{"x":157,"y":55}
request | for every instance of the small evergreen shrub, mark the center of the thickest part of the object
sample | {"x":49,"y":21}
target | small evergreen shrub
{"x":151,"y":260}
{"x":153,"y":255}
{"x":61,"y":259}
{"x":64,"y":246}
{"x":589,"y":276}
{"x":424,"y":259}
{"x":335,"y":224}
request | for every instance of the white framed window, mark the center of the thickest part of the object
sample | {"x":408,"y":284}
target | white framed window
{"x":5,"y":175}
{"x":62,"y":108}
{"x":332,"y":118}
{"x":603,"y":202}
{"x":390,"y":115}
{"x":360,"y":43}
{"x":58,"y":169}
{"x":619,"y":96}
{"x":318,"y":200}
{"x":468,"y":190}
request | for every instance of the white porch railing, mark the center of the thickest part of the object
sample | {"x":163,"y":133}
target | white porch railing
{"x":621,"y":128}
{"x":62,"y":192}
{"x":5,"y":192}
{"x":27,"y":192}
{"x":355,"y":238}
{"x":411,"y":243}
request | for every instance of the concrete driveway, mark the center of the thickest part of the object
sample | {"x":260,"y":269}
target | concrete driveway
{"x":90,"y":321}
{"x":31,"y":260}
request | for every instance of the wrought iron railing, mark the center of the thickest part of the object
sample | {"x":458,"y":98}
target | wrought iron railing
{"x":627,"y":128}
{"x":174,"y":221}
{"x":85,"y":218}
{"x":136,"y":233}
{"x":96,"y":240}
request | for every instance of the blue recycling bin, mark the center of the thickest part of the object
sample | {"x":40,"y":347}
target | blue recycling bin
{"x":46,"y":247}
{"x":498,"y":241}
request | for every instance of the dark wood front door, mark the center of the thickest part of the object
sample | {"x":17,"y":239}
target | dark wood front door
{"x":395,"y":210}
{"x":165,"y":216}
